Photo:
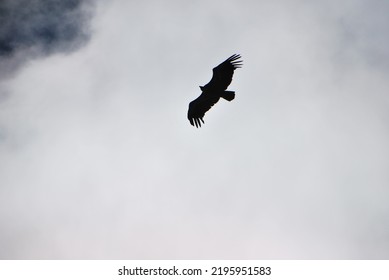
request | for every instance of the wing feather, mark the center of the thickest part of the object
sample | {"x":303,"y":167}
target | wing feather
{"x":198,"y":108}
{"x":222,"y":74}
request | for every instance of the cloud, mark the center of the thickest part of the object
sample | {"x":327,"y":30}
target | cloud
{"x":40,"y":27}
{"x":98,"y":160}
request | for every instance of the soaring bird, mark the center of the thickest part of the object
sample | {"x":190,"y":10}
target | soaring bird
{"x":216,"y":88}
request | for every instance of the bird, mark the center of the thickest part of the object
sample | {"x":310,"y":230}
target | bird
{"x":216,"y":88}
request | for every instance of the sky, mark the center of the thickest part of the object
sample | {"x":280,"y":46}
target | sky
{"x":98,"y":159}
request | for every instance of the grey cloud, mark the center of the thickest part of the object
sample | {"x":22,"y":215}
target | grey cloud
{"x":40,"y":27}
{"x":96,"y":161}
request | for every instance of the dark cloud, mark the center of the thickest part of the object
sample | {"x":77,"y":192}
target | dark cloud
{"x":46,"y":24}
{"x":40,"y":27}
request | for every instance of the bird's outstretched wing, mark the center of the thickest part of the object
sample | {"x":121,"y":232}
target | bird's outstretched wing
{"x":199,"y":106}
{"x":222,"y":74}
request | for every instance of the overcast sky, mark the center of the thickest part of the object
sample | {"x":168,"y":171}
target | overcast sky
{"x":98,"y":160}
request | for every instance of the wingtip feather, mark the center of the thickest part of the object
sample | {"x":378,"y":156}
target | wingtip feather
{"x":233,"y":59}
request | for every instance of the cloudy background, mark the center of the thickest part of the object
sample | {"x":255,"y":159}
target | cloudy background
{"x":98,"y":160}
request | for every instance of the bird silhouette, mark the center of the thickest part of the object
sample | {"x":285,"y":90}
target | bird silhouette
{"x":216,"y":88}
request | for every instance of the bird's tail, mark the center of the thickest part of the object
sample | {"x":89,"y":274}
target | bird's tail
{"x":228,"y":95}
